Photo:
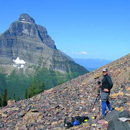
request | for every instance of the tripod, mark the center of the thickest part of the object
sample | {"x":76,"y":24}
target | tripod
{"x":97,"y":97}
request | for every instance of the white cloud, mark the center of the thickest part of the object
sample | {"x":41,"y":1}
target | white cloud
{"x":83,"y":53}
{"x":80,"y":53}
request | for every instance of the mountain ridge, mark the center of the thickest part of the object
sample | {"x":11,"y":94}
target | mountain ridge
{"x":91,"y":64}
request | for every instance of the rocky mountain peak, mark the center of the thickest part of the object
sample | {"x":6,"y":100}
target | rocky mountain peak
{"x":26,"y":31}
{"x":27,"y":49}
{"x":26,"y":18}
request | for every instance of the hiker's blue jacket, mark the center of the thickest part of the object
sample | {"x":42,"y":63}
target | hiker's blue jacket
{"x":106,"y":83}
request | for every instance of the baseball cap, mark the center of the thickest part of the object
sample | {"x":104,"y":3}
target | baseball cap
{"x":104,"y":69}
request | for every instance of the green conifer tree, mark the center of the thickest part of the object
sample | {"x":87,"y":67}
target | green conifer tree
{"x":5,"y":97}
{"x":14,"y":97}
{"x":36,"y":87}
{"x":41,"y":88}
{"x":26,"y":93}
{"x":0,"y":101}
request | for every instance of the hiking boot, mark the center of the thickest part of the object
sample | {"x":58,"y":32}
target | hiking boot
{"x":108,"y":112}
{"x":101,"y":117}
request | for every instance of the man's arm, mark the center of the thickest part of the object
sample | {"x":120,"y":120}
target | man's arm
{"x":106,"y":90}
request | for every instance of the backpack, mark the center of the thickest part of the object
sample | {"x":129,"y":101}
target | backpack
{"x":73,"y":121}
{"x":67,"y":122}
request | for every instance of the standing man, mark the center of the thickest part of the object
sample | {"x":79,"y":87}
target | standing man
{"x":105,"y":92}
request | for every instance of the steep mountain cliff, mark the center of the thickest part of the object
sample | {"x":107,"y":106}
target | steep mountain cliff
{"x":76,"y":97}
{"x":26,"y":50}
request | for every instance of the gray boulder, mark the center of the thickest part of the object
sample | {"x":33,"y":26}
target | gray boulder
{"x":118,"y":125}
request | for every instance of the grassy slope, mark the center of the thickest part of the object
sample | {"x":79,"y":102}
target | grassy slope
{"x":17,"y":83}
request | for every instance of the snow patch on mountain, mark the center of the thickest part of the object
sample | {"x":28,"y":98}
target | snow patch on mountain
{"x":19,"y":63}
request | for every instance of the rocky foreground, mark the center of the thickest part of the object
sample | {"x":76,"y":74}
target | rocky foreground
{"x":48,"y":110}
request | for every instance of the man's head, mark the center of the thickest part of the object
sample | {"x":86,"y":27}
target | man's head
{"x":104,"y":71}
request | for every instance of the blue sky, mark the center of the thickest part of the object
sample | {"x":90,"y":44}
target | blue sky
{"x":97,"y":29}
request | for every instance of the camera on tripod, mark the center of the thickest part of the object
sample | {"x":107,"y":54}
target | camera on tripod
{"x":99,"y":82}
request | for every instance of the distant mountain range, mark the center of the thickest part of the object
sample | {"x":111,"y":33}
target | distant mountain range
{"x":27,"y":51}
{"x":91,"y":64}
